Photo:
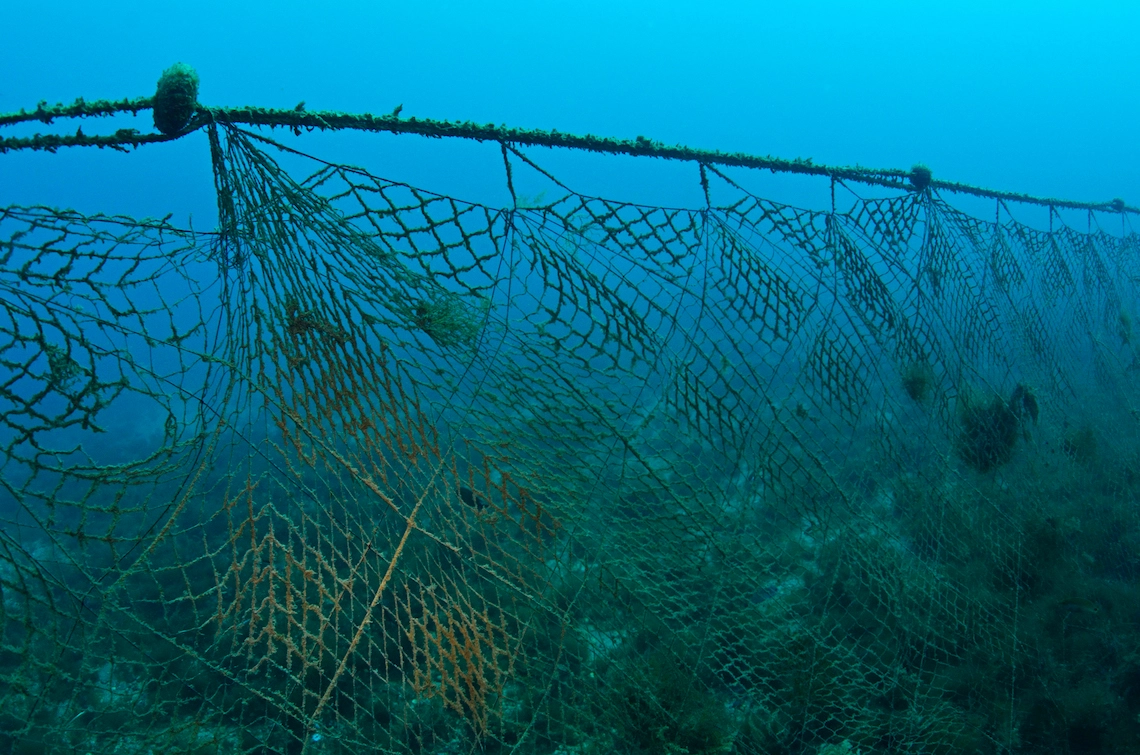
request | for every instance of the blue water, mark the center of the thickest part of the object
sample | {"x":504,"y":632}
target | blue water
{"x":1031,"y":97}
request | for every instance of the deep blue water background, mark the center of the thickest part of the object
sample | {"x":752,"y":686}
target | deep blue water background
{"x":1036,"y":97}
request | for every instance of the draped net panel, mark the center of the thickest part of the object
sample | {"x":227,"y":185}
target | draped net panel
{"x":371,"y":468}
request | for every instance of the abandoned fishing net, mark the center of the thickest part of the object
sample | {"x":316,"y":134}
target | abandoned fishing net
{"x":370,"y":468}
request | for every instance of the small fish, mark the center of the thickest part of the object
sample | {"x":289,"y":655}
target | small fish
{"x":471,"y":498}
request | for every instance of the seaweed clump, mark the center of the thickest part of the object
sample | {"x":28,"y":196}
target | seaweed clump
{"x":917,"y":381}
{"x":449,"y":320}
{"x":920,"y":177}
{"x":988,"y":434}
{"x":176,"y":99}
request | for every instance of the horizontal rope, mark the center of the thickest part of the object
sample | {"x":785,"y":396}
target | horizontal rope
{"x":299,"y":118}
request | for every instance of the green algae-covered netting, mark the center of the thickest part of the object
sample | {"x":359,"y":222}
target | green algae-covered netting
{"x":373,"y":469}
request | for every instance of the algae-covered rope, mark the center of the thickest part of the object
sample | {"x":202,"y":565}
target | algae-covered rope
{"x":178,"y":113}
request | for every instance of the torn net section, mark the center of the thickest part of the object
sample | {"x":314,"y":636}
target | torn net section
{"x":374,"y":469}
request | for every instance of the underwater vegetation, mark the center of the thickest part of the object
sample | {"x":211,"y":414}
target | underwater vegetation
{"x":176,"y":99}
{"x":917,"y":380}
{"x":939,"y":614}
{"x":920,"y":177}
{"x":989,"y":433}
{"x":989,"y":428}
{"x":449,"y":319}
{"x":653,"y":703}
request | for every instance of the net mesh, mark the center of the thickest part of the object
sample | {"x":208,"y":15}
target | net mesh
{"x":376,"y":469}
